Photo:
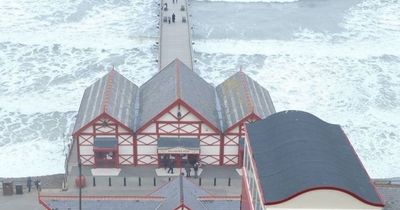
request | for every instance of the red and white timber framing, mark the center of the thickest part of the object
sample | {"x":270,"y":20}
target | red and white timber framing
{"x":140,"y":148}
{"x":231,"y":137}
{"x":190,"y":124}
{"x":105,"y":126}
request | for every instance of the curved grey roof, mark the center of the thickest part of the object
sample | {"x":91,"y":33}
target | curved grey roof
{"x":112,"y":94}
{"x":295,"y":151}
{"x":241,"y":96}
{"x":177,"y":81}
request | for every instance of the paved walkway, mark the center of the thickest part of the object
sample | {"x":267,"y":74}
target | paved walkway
{"x":175,"y":38}
{"x":21,"y":202}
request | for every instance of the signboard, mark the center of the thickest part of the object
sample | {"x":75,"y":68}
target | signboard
{"x":178,"y":150}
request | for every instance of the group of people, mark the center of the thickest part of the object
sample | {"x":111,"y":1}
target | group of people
{"x":36,"y":182}
{"x":173,"y":16}
{"x":170,"y":164}
{"x":188,"y":168}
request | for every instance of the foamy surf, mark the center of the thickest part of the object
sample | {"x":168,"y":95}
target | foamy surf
{"x":51,"y":51}
{"x":250,"y":1}
{"x":348,"y":78}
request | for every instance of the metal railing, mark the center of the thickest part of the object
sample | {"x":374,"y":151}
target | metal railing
{"x":151,"y":182}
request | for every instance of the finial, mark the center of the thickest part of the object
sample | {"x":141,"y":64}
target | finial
{"x":241,"y":68}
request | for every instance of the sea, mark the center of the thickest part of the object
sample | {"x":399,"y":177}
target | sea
{"x":337,"y":59}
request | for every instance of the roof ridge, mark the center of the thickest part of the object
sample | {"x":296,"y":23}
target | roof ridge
{"x":107,"y":92}
{"x":178,"y":85}
{"x":246,"y":89}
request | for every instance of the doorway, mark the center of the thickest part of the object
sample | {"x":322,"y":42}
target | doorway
{"x":105,"y":159}
{"x":178,"y":159}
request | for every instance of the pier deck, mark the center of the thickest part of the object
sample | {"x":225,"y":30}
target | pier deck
{"x":175,"y":38}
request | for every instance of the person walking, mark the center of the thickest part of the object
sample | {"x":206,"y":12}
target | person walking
{"x":196,"y":169}
{"x":165,"y":161}
{"x":187,"y":168}
{"x":36,"y":182}
{"x":29,"y":183}
{"x":171,"y":166}
{"x":173,"y":17}
{"x":39,"y":186}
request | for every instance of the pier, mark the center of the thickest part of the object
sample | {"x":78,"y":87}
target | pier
{"x":175,"y":37}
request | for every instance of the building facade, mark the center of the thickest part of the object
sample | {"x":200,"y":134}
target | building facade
{"x":174,"y":115}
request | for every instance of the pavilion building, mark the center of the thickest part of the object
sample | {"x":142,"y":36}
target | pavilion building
{"x":294,"y":160}
{"x":176,"y":114}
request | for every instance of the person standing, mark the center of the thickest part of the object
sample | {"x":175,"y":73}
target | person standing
{"x":36,"y":182}
{"x":165,"y":162}
{"x":29,"y":183}
{"x":173,"y":17}
{"x":171,"y":166}
{"x":187,"y":168}
{"x":39,"y":186}
{"x":196,"y":169}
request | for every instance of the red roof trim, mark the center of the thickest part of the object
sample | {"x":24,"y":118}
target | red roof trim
{"x":107,"y":93}
{"x":246,"y":89}
{"x":250,"y":115}
{"x":177,"y":102}
{"x":326,"y":188}
{"x":105,"y":115}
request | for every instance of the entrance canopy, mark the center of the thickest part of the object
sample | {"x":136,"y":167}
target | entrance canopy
{"x":105,"y":144}
{"x":178,"y":145}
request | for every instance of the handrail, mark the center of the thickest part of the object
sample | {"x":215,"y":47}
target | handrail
{"x":160,"y":38}
{"x":189,"y":34}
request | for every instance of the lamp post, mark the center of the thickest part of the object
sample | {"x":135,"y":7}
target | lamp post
{"x":80,"y":184}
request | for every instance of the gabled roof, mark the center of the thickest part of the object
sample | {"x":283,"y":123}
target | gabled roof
{"x":180,"y":191}
{"x":240,"y":96}
{"x":177,"y":81}
{"x":112,"y":94}
{"x":296,"y":152}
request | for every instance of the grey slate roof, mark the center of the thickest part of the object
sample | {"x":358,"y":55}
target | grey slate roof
{"x":295,"y":151}
{"x":103,"y":204}
{"x":176,"y":81}
{"x":240,"y":96}
{"x":105,"y":142}
{"x":190,"y":143}
{"x":178,"y":187}
{"x":113,"y":94}
{"x":222,"y":204}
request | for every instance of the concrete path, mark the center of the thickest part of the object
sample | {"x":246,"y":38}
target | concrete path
{"x":21,"y":202}
{"x":175,"y":38}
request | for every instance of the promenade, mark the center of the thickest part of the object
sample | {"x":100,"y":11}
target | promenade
{"x":175,"y":37}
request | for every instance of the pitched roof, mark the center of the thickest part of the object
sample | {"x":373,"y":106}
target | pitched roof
{"x":239,"y":96}
{"x":177,"y":81}
{"x":178,"y":191}
{"x":295,"y":152}
{"x":112,"y":94}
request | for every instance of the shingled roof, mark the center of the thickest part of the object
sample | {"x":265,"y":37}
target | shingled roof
{"x":177,"y":81}
{"x":296,"y":152}
{"x":241,"y":96}
{"x":180,"y":191}
{"x":112,"y":94}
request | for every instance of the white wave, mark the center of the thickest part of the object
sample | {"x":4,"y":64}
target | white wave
{"x":349,"y":78}
{"x":32,"y":158}
{"x":52,"y":50}
{"x":249,"y":1}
